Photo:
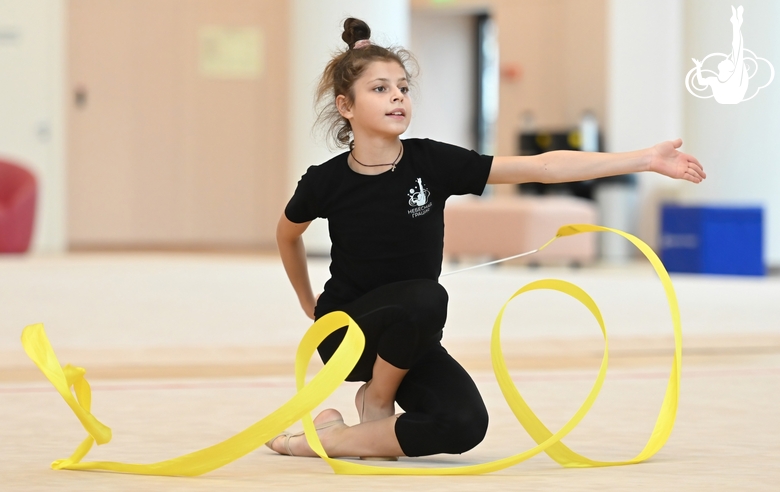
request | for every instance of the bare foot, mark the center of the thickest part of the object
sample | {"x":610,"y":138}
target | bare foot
{"x":371,"y":408}
{"x":329,"y":421}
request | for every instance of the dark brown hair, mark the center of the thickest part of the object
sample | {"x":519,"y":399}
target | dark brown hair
{"x":343,"y":70}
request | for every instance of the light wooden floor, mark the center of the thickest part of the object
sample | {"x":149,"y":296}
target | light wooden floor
{"x":185,"y":350}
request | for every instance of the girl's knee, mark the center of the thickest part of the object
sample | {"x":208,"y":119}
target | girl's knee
{"x":430,"y":300}
{"x":465,"y":429}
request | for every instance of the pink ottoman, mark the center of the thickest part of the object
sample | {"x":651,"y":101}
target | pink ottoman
{"x":505,"y":226}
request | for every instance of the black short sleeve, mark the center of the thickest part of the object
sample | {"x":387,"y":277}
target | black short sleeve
{"x":460,"y":171}
{"x":303,"y":206}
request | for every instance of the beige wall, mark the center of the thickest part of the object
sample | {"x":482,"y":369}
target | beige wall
{"x":161,"y":155}
{"x":561,"y":48}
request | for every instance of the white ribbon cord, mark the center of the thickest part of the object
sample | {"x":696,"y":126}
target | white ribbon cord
{"x":489,"y":263}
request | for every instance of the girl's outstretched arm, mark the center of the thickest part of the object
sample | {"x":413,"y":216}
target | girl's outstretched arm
{"x":562,"y":166}
{"x":293,"y":253}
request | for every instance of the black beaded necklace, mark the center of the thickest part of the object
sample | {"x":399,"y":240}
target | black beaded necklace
{"x":380,"y":165}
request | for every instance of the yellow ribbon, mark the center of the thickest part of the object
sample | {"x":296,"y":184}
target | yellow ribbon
{"x":330,"y":377}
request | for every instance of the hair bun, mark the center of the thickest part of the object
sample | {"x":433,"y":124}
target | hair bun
{"x":354,"y":31}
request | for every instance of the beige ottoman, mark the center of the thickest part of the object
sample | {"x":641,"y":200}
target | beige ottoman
{"x":498,"y":227}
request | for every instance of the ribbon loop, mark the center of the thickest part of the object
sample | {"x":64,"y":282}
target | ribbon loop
{"x":330,"y":377}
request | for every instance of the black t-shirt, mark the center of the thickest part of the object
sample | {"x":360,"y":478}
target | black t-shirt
{"x":387,"y":227}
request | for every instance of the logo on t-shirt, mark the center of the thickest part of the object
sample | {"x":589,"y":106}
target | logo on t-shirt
{"x":419,"y":200}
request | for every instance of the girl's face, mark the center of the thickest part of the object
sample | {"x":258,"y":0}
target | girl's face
{"x":382,"y":106}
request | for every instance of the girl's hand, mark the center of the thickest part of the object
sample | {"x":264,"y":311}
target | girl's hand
{"x":667,"y":160}
{"x":309,"y":310}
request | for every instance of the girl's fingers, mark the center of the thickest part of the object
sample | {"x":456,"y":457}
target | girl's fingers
{"x":693,"y":159}
{"x":693,"y":163}
{"x":692,"y":175}
{"x":696,"y":167}
{"x":700,"y":170}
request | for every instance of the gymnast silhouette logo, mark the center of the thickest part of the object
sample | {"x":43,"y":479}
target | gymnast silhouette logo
{"x":419,"y":200}
{"x":419,"y":197}
{"x":735,"y":70}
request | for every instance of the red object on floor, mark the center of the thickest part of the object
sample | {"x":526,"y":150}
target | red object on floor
{"x":18,"y":191}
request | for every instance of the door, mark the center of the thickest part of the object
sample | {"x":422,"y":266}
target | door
{"x":166,"y":151}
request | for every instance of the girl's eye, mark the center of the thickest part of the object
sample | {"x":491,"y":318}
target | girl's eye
{"x":380,"y":89}
{"x":405,"y":90}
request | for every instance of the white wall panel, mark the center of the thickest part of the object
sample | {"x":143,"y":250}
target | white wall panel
{"x":314,"y":35}
{"x":32,"y":125}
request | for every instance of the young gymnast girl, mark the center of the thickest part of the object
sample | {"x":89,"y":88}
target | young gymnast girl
{"x":384,"y":202}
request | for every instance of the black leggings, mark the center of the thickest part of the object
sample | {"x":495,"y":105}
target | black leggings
{"x":402,"y":323}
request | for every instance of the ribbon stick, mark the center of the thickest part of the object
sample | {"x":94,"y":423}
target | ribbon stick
{"x":335,"y":371}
